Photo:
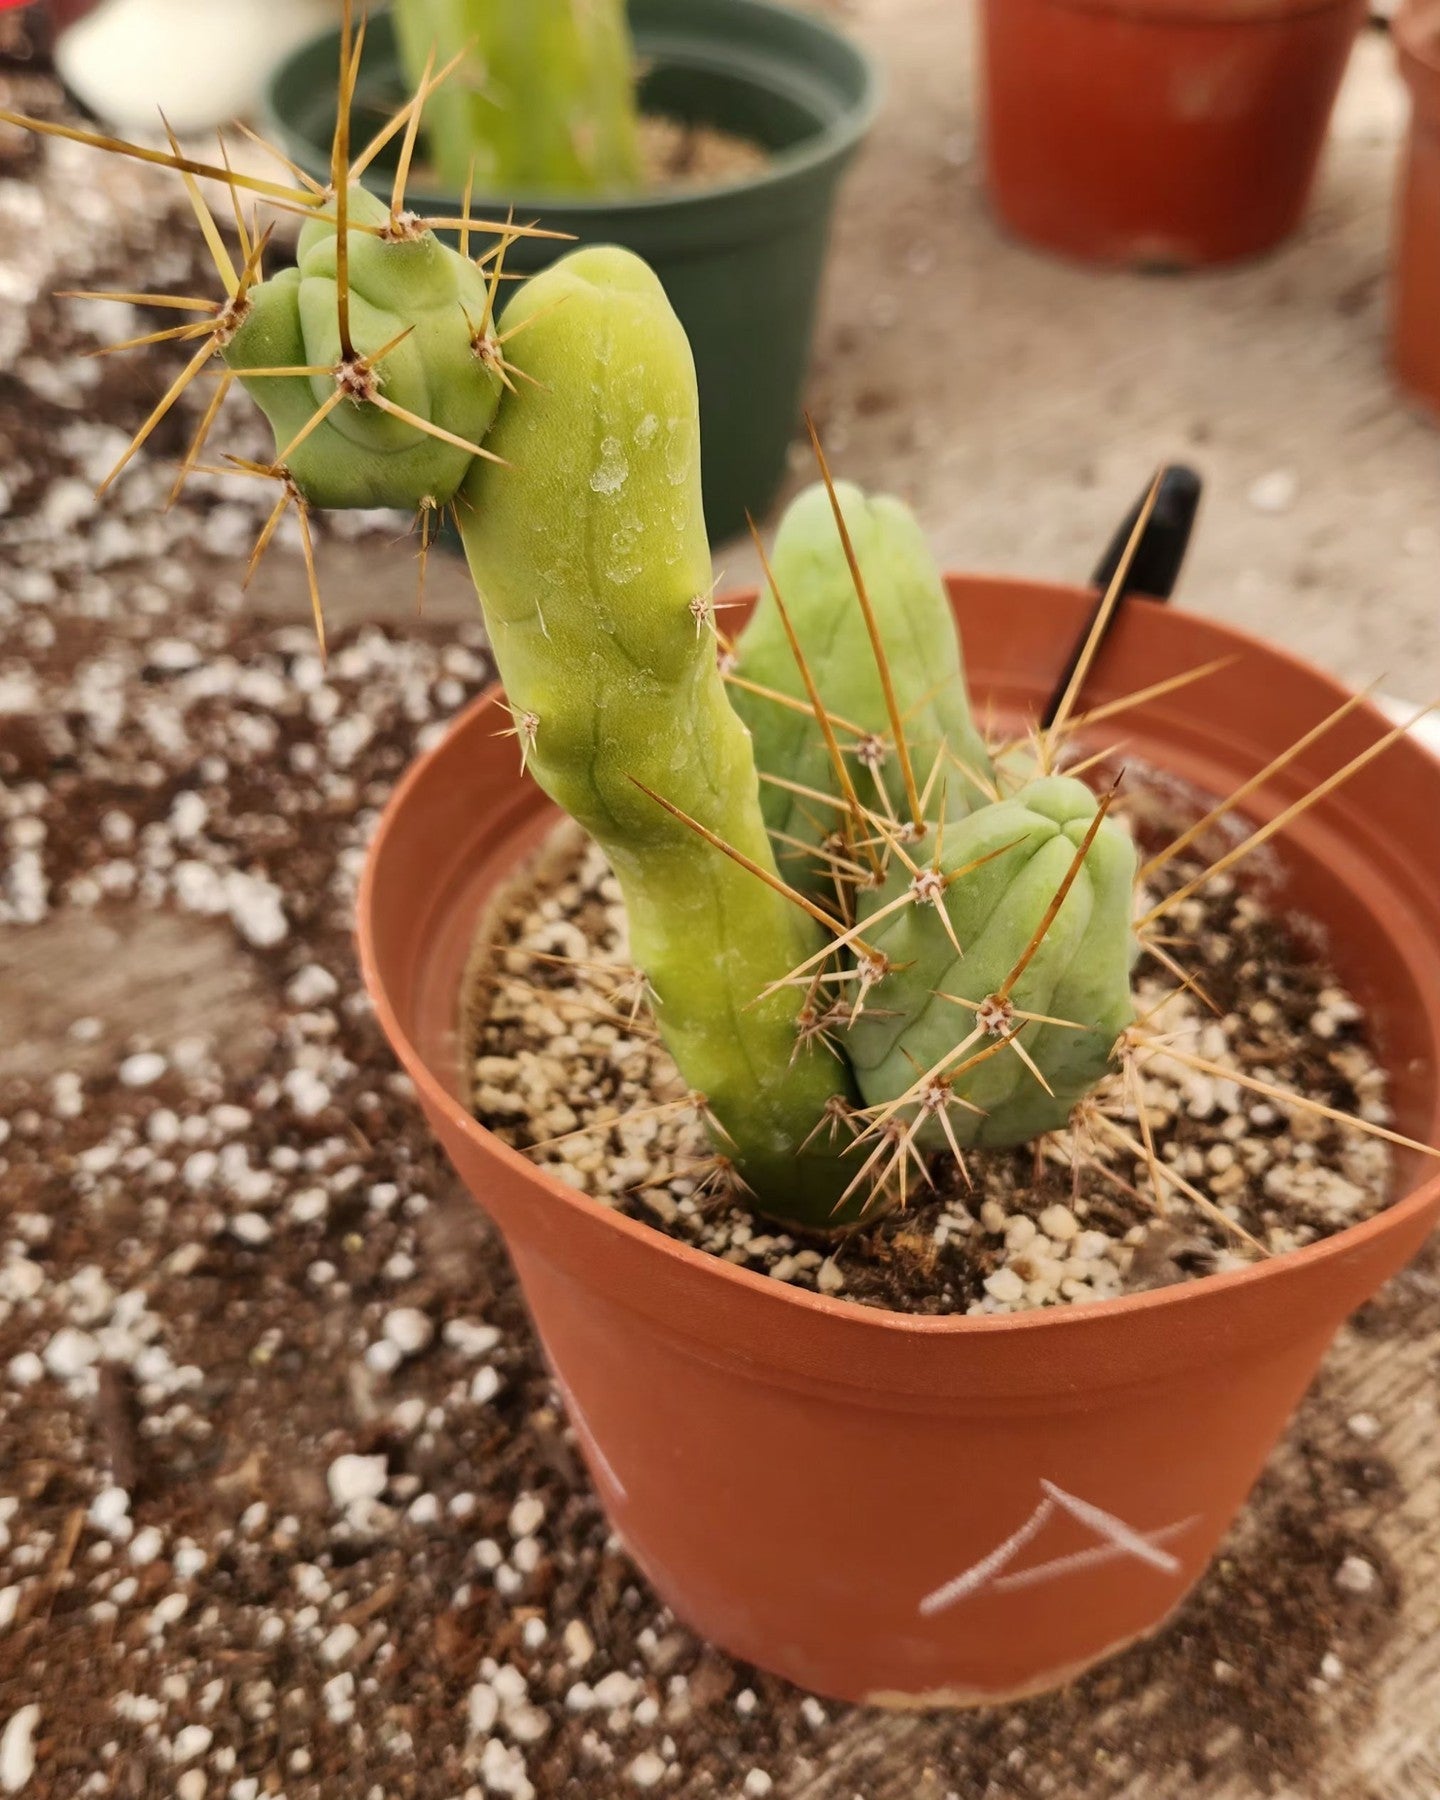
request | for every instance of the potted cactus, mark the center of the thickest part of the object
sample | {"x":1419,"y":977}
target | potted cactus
{"x":534,"y":104}
{"x":908,"y":1509}
{"x":1159,"y":133}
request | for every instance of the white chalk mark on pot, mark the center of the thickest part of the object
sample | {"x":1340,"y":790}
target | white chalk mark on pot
{"x":1105,"y":1525}
{"x":1117,"y":1540}
{"x":1090,"y":1559}
{"x":588,"y":1438}
{"x":971,"y":1580}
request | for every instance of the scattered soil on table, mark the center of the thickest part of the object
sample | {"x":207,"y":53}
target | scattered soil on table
{"x":568,"y":1065}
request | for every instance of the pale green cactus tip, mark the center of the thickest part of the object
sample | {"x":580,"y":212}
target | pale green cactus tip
{"x":544,"y":100}
{"x":847,"y":572}
{"x":804,"y":1011}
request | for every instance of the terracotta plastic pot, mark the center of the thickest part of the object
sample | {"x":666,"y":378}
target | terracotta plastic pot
{"x":1161,"y":133}
{"x":937,"y":1510}
{"x":1415,"y":334}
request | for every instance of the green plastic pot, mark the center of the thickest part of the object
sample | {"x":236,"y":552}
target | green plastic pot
{"x":740,"y":261}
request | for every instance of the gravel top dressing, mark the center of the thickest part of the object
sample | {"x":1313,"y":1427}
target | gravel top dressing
{"x":567,"y":1066}
{"x":288,"y":1504}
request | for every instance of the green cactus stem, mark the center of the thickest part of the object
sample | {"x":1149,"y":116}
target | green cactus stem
{"x":413,"y":299}
{"x":812,"y":575}
{"x":939,"y":1008}
{"x":544,"y":100}
{"x":588,"y":549}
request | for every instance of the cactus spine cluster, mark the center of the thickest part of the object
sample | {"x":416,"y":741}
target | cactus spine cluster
{"x":544,"y":99}
{"x":415,"y":308}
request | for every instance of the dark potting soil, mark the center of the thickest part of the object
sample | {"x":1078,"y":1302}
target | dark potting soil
{"x":567,"y":1065}
{"x":677,"y":154}
{"x":201,"y":1592}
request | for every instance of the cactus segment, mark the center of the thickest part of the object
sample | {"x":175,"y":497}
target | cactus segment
{"x":589,"y":552}
{"x":1079,"y":973}
{"x":544,"y":100}
{"x":412,"y":289}
{"x":922,"y":648}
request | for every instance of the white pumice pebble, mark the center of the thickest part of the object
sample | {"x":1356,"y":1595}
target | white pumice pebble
{"x":143,"y":1069}
{"x":17,"y":1749}
{"x":1356,"y":1576}
{"x":485,"y":1386}
{"x":526,"y":1515}
{"x":409,"y":1330}
{"x":339,"y":1643}
{"x":647,"y":1770}
{"x":352,"y":1478}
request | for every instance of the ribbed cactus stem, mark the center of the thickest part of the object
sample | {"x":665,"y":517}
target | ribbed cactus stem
{"x":577,"y":490}
{"x":589,"y":551}
{"x":922,"y":656}
{"x":544,"y":101}
{"x":1071,"y":965}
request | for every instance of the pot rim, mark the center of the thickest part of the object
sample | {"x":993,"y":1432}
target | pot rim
{"x":1341,"y":1245}
{"x":831,"y":144}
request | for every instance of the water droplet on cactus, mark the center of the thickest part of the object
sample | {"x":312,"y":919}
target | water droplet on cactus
{"x":609,"y":475}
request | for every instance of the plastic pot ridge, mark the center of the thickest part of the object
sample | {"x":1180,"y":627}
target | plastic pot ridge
{"x":919,"y":1510}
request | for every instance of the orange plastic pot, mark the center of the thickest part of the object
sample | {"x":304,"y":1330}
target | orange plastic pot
{"x":1415,"y":316}
{"x":1161,"y":133}
{"x":922,"y":1510}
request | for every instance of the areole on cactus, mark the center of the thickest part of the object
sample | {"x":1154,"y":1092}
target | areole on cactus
{"x":866,"y":938}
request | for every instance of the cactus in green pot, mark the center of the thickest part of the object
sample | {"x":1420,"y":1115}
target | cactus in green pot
{"x":543,"y":101}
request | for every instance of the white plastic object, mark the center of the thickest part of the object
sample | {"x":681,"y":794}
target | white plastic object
{"x":200,"y":62}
